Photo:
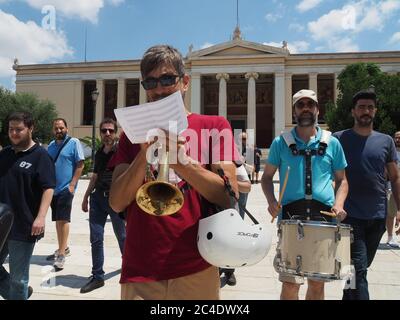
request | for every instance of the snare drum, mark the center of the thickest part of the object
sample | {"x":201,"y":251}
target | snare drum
{"x":314,"y":249}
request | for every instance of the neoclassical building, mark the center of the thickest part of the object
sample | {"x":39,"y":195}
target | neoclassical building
{"x":250,"y":84}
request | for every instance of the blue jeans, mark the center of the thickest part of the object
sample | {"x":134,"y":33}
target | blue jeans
{"x":367,"y":236}
{"x":99,"y":210}
{"x":14,"y":285}
{"x":242,"y":201}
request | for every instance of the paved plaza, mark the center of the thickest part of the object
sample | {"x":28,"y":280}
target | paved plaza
{"x":258,"y":282}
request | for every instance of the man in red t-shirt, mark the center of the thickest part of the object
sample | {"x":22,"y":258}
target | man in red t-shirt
{"x":161,"y":259}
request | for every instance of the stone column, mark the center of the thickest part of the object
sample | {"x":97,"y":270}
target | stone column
{"x":313,"y":82}
{"x":100,"y":101}
{"x":142,"y":93}
{"x":78,"y":103}
{"x":279,"y":106}
{"x":195,"y":93}
{"x":222,"y":105}
{"x":289,"y":99}
{"x":251,"y":100}
{"x":121,"y":102}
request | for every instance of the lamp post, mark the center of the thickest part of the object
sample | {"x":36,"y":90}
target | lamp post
{"x":95,"y":95}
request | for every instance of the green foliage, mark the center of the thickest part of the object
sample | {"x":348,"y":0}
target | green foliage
{"x":88,"y":161}
{"x":356,"y":77}
{"x":43,"y":111}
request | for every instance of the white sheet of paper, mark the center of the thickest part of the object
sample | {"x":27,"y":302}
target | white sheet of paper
{"x":141,"y":120}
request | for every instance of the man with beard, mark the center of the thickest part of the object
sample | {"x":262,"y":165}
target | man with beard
{"x":368,"y":153}
{"x":161,"y":259}
{"x":315,"y":159}
{"x":98,"y":190}
{"x":27,"y":181}
{"x":67,"y":155}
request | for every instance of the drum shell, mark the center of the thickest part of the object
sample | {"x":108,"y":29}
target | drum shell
{"x":324,"y":249}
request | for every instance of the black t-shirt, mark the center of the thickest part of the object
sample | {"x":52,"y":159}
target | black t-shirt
{"x":104,"y":174}
{"x":23,"y":178}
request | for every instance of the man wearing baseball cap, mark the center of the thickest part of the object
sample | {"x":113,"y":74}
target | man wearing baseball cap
{"x":314,"y":159}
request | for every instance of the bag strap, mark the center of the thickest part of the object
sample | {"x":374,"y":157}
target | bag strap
{"x":232,"y":194}
{"x":59,"y":150}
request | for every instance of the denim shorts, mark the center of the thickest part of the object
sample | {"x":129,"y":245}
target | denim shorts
{"x":61,"y":206}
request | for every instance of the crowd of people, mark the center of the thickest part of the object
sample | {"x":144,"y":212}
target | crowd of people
{"x":353,"y":174}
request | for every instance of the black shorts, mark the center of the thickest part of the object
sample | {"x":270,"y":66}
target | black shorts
{"x":61,"y":206}
{"x":257,"y":167}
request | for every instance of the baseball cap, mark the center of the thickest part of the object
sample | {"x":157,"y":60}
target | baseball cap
{"x":305,"y":94}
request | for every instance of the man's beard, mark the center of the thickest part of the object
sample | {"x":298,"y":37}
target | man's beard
{"x":306,"y":119}
{"x":60,"y":136}
{"x":108,"y":141}
{"x":365,"y":121}
{"x":22,"y":144}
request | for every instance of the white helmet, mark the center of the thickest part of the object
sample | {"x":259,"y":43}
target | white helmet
{"x":226,"y":240}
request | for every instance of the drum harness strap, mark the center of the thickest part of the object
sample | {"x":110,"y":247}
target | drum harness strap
{"x":308,"y":153}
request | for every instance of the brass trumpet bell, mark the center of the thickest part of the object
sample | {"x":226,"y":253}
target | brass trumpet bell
{"x":160,"y":197}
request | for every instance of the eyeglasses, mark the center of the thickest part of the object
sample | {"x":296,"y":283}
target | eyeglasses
{"x":105,"y":131}
{"x":165,"y":80}
{"x":310,"y":104}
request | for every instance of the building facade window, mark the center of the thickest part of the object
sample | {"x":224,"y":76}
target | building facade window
{"x":326,"y":93}
{"x":110,"y":98}
{"x":132,"y":92}
{"x":88,"y":88}
{"x":299,"y":82}
{"x":210,"y":92}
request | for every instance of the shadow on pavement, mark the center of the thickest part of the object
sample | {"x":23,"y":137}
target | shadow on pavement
{"x":72,"y":281}
{"x":384,"y":246}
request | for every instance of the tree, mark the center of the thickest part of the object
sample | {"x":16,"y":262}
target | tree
{"x":43,"y":111}
{"x":356,"y":77}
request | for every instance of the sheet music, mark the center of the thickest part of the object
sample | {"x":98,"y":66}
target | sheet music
{"x":141,"y":120}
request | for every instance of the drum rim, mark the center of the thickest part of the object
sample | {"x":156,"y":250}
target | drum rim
{"x":313,"y":275}
{"x":314,"y":223}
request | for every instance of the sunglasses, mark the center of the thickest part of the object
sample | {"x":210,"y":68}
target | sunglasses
{"x":165,"y":80}
{"x":105,"y":131}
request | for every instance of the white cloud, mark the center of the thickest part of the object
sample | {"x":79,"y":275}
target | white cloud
{"x":29,"y":43}
{"x":296,"y":27}
{"x":339,"y":27}
{"x":306,"y":5}
{"x":82,"y":9}
{"x":206,"y":45}
{"x":395,"y":38}
{"x":273,"y":17}
{"x":357,"y":17}
{"x":344,"y":45}
{"x":294,"y":47}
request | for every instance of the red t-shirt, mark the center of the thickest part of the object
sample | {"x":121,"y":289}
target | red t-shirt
{"x":162,"y":248}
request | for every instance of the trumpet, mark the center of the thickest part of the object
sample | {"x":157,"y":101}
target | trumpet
{"x":160,"y":197}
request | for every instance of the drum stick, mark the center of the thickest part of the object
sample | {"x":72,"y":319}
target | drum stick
{"x":327,"y":213}
{"x":282,"y":191}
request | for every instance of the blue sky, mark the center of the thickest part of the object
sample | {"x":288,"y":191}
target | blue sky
{"x":42,"y":31}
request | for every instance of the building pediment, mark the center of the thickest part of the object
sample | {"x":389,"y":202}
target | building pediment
{"x":236,"y":48}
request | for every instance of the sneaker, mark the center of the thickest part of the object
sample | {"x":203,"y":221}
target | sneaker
{"x":53,"y":256}
{"x":393,"y":243}
{"x":92,"y":285}
{"x":30,"y":291}
{"x":230,"y":279}
{"x":59,"y":263}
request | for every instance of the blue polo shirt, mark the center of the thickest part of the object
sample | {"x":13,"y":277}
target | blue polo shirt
{"x":66,"y":163}
{"x":323,"y":167}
